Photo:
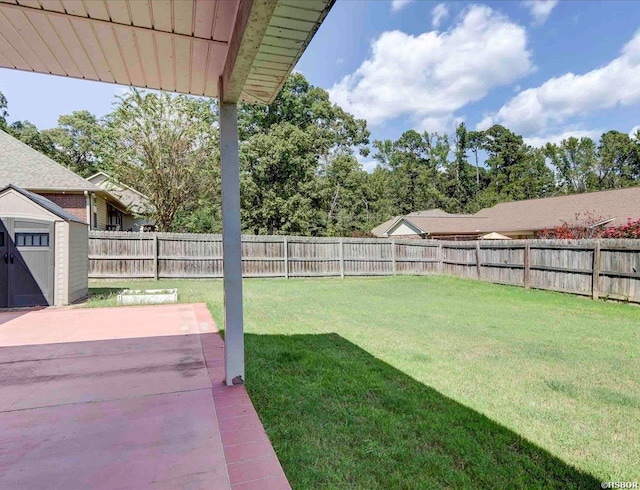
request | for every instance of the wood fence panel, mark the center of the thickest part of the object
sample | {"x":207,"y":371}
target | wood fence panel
{"x":502,"y":263}
{"x":562,"y":269}
{"x":619,"y":272}
{"x":459,"y":259}
{"x":559,"y":265}
{"x":415,"y":257}
{"x":309,"y":258}
{"x":367,"y":257}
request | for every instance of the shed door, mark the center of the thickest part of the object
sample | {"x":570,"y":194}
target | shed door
{"x":4,"y":265}
{"x":31,"y":262}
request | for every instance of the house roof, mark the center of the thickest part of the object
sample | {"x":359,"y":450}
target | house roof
{"x":25,"y":167}
{"x":614,"y":206}
{"x":538,"y":214}
{"x":44,"y":203}
{"x":381,"y":229}
{"x":130,"y":197}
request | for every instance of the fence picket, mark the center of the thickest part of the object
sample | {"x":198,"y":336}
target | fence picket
{"x":605,"y":269}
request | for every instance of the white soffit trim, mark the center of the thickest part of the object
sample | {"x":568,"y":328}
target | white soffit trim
{"x":183,"y":46}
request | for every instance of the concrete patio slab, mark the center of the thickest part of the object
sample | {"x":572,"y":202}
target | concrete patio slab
{"x":125,"y":398}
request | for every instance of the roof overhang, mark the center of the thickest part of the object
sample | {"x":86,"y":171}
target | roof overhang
{"x":404,"y":219}
{"x":247,"y":47}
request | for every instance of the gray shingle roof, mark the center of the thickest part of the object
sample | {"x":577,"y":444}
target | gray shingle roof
{"x":44,"y":203}
{"x":25,"y":167}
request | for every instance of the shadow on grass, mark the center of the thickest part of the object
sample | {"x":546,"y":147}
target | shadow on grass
{"x":340,"y":418}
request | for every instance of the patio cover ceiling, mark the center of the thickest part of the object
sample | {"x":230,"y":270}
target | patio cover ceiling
{"x":184,"y":46}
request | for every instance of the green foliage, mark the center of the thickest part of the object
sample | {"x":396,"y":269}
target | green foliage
{"x":166,"y":147}
{"x":299,"y":168}
{"x":78,"y":140}
{"x":299,"y":175}
{"x":38,"y":140}
{"x":3,"y":112}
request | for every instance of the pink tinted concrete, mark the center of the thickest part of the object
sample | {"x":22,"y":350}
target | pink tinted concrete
{"x":125,"y":398}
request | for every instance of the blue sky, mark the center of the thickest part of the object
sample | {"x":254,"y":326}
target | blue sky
{"x":546,"y":70}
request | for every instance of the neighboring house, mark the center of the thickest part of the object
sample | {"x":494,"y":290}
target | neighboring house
{"x":136,"y":202}
{"x":22,"y":166}
{"x":517,"y":219}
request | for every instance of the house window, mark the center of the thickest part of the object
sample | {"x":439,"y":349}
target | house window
{"x":114,"y":218}
{"x":32,"y":239}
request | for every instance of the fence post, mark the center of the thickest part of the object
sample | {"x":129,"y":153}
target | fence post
{"x":341,"y":259}
{"x":393,"y":257}
{"x":595,"y":281}
{"x":478,"y":261}
{"x":440,"y":258}
{"x":527,"y":265}
{"x":156,"y":260}
{"x":286,"y":257}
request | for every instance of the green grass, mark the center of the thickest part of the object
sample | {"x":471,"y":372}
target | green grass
{"x":424,"y":382}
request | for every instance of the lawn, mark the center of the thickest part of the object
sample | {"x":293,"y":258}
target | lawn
{"x":424,"y":382}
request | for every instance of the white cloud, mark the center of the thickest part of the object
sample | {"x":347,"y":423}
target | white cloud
{"x":534,"y":110}
{"x":367,"y":164}
{"x":540,"y":10}
{"x":539,"y":141}
{"x":397,"y":5}
{"x":439,"y":13}
{"x":430,"y":76}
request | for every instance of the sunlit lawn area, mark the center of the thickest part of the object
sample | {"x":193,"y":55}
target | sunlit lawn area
{"x":425,"y":382}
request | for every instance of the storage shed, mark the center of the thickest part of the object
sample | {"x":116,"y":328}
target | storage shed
{"x":43,"y":251}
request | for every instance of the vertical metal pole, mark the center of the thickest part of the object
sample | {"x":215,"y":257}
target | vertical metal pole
{"x":231,"y":245}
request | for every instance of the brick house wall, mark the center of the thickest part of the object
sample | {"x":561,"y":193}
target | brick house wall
{"x":75,"y":204}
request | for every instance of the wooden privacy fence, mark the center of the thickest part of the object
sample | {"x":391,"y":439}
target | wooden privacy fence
{"x":596,"y":268}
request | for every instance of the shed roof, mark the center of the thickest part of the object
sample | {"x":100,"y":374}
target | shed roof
{"x":185,"y":46}
{"x":44,"y":203}
{"x":25,"y":167}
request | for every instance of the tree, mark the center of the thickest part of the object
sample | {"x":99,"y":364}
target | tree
{"x":460,"y":186}
{"x":29,"y":134}
{"x":3,"y":112}
{"x":476,"y":143}
{"x":288,"y":153}
{"x":78,"y":140}
{"x":162,"y":145}
{"x":517,"y":171}
{"x":346,"y":197}
{"x":618,"y":164}
{"x":575,"y":161}
{"x":280,"y":193}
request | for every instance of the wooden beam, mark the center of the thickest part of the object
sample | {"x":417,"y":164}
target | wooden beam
{"x":527,"y":266}
{"x":595,"y":281}
{"x":251,"y":24}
